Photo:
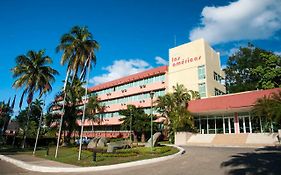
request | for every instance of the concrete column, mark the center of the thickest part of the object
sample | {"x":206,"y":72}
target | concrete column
{"x":244,"y":125}
{"x":261,"y":125}
{"x":207,"y":126}
{"x":223,"y":124}
{"x":250,"y":123}
{"x":236,"y":123}
{"x":200,"y":128}
{"x":215,"y":125}
{"x":229,"y":125}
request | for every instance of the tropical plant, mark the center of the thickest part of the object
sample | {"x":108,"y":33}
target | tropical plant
{"x":269,"y":72}
{"x":269,"y":107}
{"x":173,"y":107}
{"x":136,"y":119}
{"x":33,"y":75}
{"x":74,"y":91}
{"x":78,"y":48}
{"x":92,"y":108}
{"x":34,"y":112}
{"x":250,"y":68}
{"x":6,"y":112}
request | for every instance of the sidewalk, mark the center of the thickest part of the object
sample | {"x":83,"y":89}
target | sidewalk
{"x":39,"y":161}
{"x":32,"y":163}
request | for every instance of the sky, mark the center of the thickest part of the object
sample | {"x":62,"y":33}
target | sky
{"x":134,"y":35}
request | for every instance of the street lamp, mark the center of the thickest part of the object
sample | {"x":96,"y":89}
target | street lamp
{"x":151,"y":118}
{"x":130,"y":124}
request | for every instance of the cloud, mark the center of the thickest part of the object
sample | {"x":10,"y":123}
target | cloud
{"x":121,"y":68}
{"x":277,"y":53}
{"x":161,"y":61}
{"x":240,"y":20}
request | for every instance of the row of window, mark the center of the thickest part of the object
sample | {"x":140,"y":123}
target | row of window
{"x":218,"y":78}
{"x":116,"y":114}
{"x":202,"y":89}
{"x":218,"y":92}
{"x":132,"y":98}
{"x":201,"y":72}
{"x":154,"y":79}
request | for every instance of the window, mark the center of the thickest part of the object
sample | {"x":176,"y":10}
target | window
{"x":201,"y":72}
{"x":218,"y":92}
{"x":217,"y":77}
{"x":202,"y":89}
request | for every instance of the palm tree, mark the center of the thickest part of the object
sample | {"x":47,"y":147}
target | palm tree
{"x":39,"y":104}
{"x":78,"y":48}
{"x":173,"y":107}
{"x":93,"y":107}
{"x":73,"y":96}
{"x":136,"y":119}
{"x":33,"y":75}
{"x":270,"y":107}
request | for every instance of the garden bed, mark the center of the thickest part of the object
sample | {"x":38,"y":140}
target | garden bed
{"x":69,"y":155}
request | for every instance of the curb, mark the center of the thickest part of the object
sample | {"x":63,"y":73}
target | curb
{"x":226,"y":146}
{"x":45,"y":169}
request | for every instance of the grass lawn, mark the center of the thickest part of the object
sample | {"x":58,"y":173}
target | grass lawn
{"x":69,"y":155}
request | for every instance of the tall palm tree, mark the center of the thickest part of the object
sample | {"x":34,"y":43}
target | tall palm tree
{"x":78,"y":48}
{"x":33,"y":75}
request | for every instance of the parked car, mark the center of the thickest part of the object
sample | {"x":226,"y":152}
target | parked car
{"x":85,"y":140}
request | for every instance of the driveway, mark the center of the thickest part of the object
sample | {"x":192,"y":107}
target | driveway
{"x":197,"y":161}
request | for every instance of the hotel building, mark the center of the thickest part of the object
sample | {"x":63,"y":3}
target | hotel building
{"x":195,"y":65}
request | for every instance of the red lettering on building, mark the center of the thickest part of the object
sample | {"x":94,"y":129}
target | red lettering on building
{"x":178,"y":61}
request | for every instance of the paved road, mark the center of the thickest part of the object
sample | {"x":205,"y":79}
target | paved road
{"x":196,"y":161}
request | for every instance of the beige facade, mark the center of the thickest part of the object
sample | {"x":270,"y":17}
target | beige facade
{"x":197,"y":66}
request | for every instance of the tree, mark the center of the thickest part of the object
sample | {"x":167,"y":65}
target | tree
{"x":269,"y":72}
{"x":33,"y":75}
{"x":136,"y":119}
{"x":238,"y":72}
{"x":78,"y":48}
{"x":74,"y":92}
{"x":34,"y":112}
{"x":173,"y":106}
{"x":6,"y":112}
{"x":92,"y":108}
{"x":269,"y":107}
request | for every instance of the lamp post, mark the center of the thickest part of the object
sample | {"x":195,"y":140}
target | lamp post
{"x":151,"y":119}
{"x":130,"y":124}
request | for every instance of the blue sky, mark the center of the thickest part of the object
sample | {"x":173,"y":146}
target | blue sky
{"x":133,"y":35}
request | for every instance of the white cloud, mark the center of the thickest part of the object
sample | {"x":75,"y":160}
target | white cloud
{"x":121,"y":68}
{"x":240,"y":20}
{"x":161,"y":61}
{"x":277,"y":53}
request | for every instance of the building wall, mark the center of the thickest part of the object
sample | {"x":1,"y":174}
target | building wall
{"x":213,"y":66}
{"x":184,"y":62}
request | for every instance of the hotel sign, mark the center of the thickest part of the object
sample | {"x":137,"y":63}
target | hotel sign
{"x":176,"y":61}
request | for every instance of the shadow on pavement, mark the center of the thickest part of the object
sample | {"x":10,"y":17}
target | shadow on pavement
{"x":265,"y":160}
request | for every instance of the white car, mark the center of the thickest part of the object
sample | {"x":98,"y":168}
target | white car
{"x":85,"y":140}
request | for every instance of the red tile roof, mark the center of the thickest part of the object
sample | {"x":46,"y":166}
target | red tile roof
{"x":228,"y":102}
{"x":130,"y":78}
